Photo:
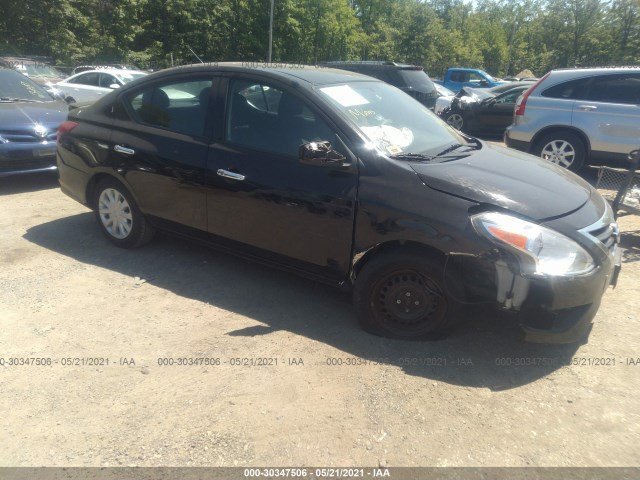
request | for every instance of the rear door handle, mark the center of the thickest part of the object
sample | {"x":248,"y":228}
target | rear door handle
{"x":587,"y":108}
{"x":231,"y":175}
{"x":125,"y":150}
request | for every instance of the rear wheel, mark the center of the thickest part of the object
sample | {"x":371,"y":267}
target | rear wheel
{"x":565,"y":149}
{"x":401,"y":295}
{"x":119,"y":217}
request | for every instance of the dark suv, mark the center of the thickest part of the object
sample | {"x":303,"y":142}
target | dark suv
{"x":411,"y":79}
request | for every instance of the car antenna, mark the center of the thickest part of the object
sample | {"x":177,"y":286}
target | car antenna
{"x":194,"y":53}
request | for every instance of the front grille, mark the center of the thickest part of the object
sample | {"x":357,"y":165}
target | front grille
{"x":607,"y":235}
{"x":604,"y":231}
{"x":25,"y":137}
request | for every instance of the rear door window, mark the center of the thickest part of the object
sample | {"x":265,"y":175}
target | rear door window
{"x":616,"y":89}
{"x":177,"y":106}
{"x":92,"y":79}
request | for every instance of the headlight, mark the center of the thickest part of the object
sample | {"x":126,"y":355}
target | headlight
{"x":550,"y":252}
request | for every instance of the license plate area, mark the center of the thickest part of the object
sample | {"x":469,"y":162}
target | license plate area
{"x":45,"y":152}
{"x":617,"y":266}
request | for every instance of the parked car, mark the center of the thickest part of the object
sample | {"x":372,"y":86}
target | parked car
{"x":37,"y":70}
{"x":457,"y":78}
{"x":110,"y":66}
{"x":411,"y":79}
{"x":29,"y":119}
{"x":346,"y":180}
{"x":88,"y":86}
{"x":444,"y":101}
{"x":481,"y":112}
{"x":574,"y":117}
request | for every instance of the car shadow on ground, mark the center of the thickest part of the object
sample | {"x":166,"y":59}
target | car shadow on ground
{"x":630,"y":243}
{"x":32,"y":182}
{"x":486,"y":351}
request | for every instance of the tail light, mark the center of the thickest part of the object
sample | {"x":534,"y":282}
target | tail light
{"x":65,"y":127}
{"x":523,"y":103}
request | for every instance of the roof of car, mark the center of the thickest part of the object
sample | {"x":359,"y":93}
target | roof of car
{"x":310,"y":74}
{"x":369,"y":63}
{"x":594,"y":70}
{"x":114,"y":71}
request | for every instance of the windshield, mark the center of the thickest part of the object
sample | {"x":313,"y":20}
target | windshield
{"x":129,"y":77}
{"x":418,"y":80}
{"x":40,"y":70}
{"x":14,"y":86}
{"x":395,"y":123}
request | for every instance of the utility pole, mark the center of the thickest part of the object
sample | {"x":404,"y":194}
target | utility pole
{"x":270,"y":31}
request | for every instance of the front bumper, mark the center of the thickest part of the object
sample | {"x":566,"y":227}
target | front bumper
{"x":18,"y":158}
{"x":561,"y":310}
{"x":549,"y":308}
{"x":511,"y":142}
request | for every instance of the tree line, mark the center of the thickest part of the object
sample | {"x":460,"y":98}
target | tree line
{"x":500,"y":36}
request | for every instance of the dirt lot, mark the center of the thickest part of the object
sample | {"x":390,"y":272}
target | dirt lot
{"x":329,"y":394}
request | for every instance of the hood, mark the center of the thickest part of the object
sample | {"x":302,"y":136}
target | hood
{"x":19,"y":115}
{"x":508,"y":179}
{"x":474,"y":94}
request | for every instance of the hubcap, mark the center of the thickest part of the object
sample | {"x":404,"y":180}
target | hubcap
{"x":455,"y":120}
{"x":115,"y":213}
{"x":559,"y":152}
{"x":405,"y":300}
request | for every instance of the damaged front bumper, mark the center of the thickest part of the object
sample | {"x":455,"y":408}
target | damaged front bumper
{"x":550,"y":308}
{"x":560,"y":309}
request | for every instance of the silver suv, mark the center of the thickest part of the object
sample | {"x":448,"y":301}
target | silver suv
{"x":577,"y":116}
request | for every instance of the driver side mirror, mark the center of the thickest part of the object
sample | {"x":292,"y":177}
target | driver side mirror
{"x":320,"y":154}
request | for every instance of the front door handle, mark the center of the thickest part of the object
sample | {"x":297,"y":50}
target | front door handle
{"x":587,"y":108}
{"x":125,"y":150}
{"x":231,"y":175}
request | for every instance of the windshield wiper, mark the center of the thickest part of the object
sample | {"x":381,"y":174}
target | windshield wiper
{"x":419,"y":157}
{"x":451,"y":148}
{"x":10,"y":99}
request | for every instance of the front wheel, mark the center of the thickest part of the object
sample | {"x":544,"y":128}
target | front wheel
{"x":119,"y":217}
{"x":401,"y":295}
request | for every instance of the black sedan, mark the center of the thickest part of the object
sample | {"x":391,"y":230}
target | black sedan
{"x":349,"y":181}
{"x":29,"y":119}
{"x":480,"y":112}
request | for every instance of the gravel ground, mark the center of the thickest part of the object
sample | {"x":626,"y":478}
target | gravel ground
{"x":282,"y":374}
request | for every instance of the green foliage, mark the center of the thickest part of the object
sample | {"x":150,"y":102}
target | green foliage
{"x":501,"y":36}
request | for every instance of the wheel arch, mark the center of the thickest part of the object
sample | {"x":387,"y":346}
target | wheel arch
{"x":562,"y":128}
{"x":362,"y":259}
{"x":92,"y":184}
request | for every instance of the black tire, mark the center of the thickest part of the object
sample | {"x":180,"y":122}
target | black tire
{"x":119,"y":217}
{"x":455,"y":118}
{"x":563,"y":148}
{"x":401,"y":295}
